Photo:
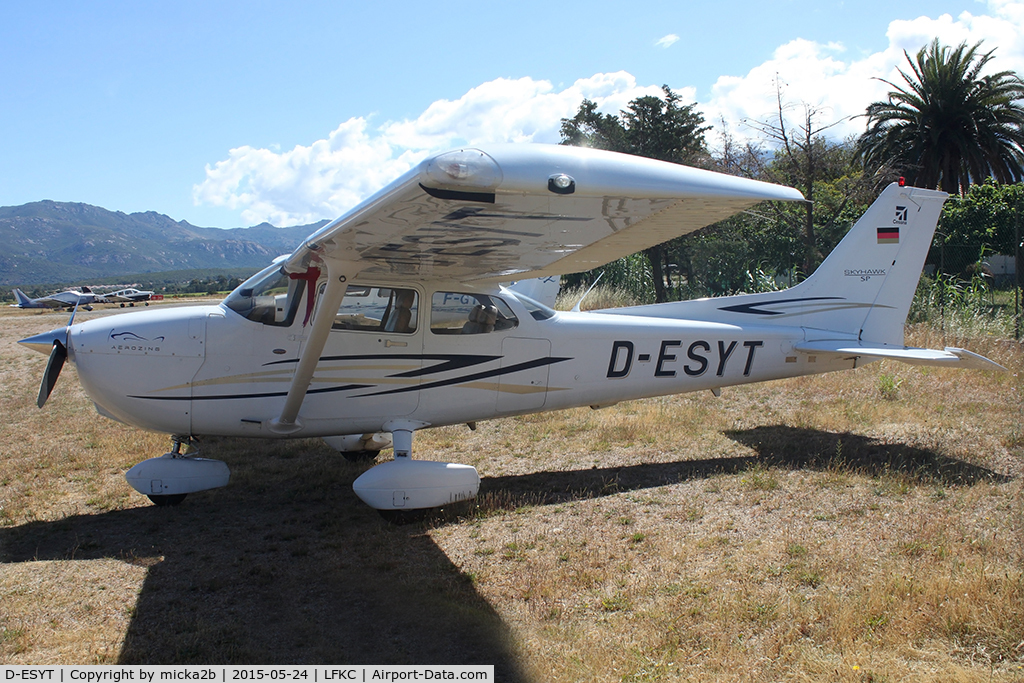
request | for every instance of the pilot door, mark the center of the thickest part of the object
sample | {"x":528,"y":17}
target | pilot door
{"x":465,"y":363}
{"x":370,"y":365}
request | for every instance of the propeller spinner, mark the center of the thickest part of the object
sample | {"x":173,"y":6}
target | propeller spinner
{"x":55,"y":343}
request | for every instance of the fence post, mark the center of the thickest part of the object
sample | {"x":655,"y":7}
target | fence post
{"x":940,"y":276}
{"x":1018,"y":276}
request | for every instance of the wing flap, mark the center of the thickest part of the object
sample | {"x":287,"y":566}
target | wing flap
{"x":949,"y":357}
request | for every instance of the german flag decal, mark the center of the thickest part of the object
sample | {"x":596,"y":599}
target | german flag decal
{"x":889,"y":235}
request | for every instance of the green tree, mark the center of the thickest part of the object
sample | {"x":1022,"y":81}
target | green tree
{"x":770,"y":239}
{"x":804,"y":157}
{"x":983,"y":220}
{"x":948,"y":126}
{"x":656,"y":127}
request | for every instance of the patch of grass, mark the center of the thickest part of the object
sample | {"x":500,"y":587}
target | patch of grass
{"x":809,"y":578}
{"x":791,"y":530}
{"x":889,"y":386}
{"x":795,"y":550}
{"x":760,"y":479}
{"x":616,"y":603}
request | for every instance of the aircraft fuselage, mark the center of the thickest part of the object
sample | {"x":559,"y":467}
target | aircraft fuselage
{"x":207,"y":370}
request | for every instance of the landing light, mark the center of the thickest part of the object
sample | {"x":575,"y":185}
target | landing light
{"x":464,"y":168}
{"x":456,"y":170}
{"x":561,"y":184}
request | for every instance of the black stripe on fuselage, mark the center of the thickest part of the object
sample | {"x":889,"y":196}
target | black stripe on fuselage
{"x":269,"y":394}
{"x":528,"y":365}
{"x":448,"y":362}
{"x":754,"y":308}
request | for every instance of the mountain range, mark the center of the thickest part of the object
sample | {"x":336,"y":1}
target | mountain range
{"x":60,"y":242}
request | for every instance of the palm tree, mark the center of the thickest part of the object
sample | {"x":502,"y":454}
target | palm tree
{"x":950,"y":126}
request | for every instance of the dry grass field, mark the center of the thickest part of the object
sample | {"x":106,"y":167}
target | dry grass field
{"x":860,"y":526}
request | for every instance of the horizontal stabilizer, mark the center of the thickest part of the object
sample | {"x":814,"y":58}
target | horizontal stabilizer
{"x":949,"y":357}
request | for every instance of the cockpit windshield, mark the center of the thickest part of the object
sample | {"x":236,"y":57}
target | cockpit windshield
{"x":270,"y":297}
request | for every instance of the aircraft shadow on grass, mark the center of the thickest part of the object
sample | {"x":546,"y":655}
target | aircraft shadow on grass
{"x":777,"y":446}
{"x":287,"y":566}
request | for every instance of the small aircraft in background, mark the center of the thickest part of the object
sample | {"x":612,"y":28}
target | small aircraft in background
{"x":128,"y":296}
{"x":69,"y":299}
{"x":392,"y":318}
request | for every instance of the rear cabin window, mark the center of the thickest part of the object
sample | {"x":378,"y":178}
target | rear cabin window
{"x":461,"y":313}
{"x":378,"y":309}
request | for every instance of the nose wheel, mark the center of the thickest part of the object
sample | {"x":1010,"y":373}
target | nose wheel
{"x":168,"y":500}
{"x":168,"y":479}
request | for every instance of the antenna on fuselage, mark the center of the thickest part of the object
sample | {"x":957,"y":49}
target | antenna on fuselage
{"x":576,"y":308}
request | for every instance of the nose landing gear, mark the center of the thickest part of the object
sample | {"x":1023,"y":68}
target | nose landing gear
{"x":168,"y":479}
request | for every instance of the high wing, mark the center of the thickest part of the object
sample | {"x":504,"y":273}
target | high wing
{"x":514,"y":211}
{"x":508,"y":212}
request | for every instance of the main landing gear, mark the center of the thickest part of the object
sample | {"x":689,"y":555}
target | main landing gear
{"x":168,"y":479}
{"x":403,"y":490}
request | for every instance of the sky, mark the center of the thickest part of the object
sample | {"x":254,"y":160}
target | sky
{"x":228,"y":114}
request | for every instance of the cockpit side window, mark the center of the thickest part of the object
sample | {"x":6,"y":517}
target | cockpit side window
{"x":270,"y":297}
{"x":538,"y":311}
{"x":378,"y":309}
{"x":461,"y":313}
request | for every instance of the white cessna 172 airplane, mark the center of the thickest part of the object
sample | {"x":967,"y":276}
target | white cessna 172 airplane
{"x":391,"y":319}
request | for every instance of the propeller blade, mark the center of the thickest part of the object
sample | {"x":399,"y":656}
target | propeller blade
{"x":58,"y":355}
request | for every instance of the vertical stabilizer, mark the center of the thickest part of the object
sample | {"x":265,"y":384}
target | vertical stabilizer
{"x":872,"y":275}
{"x":22,"y":300}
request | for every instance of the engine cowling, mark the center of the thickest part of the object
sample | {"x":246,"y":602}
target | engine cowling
{"x":404,"y":484}
{"x":172,"y":474}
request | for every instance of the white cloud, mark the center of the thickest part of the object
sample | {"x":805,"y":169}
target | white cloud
{"x":329,"y":176}
{"x":304,"y":184}
{"x":667,"y":41}
{"x":839,"y":87}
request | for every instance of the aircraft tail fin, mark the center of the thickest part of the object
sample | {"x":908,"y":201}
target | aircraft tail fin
{"x":21,"y":299}
{"x":866,"y":285}
{"x":854,"y":306}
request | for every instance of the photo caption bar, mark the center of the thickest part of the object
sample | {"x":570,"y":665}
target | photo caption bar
{"x":361,"y":673}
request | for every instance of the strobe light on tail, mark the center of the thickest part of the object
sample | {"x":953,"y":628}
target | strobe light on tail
{"x":391,"y":319}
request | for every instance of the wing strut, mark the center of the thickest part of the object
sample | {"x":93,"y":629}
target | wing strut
{"x":337,"y":275}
